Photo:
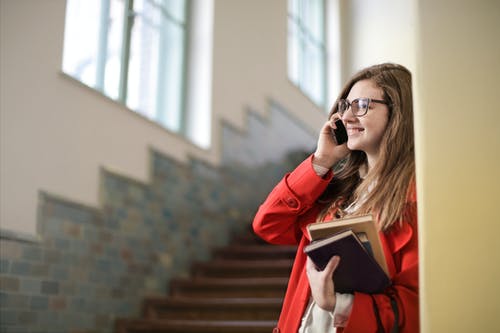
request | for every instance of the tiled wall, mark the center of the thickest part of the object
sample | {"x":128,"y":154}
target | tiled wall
{"x":94,"y":264}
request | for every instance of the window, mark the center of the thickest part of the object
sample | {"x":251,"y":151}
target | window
{"x":133,"y":51}
{"x":307,"y":49}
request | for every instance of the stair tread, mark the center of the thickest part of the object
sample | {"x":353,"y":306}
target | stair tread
{"x":221,"y":295}
{"x":239,"y":308}
{"x":188,"y":301}
{"x":218,"y":323}
{"x":229,"y":287}
{"x":222,"y":281}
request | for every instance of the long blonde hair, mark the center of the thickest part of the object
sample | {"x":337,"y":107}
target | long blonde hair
{"x":391,"y":179}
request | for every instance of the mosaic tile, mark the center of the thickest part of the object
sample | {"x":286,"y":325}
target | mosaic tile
{"x":94,"y":264}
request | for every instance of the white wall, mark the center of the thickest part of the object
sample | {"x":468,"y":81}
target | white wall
{"x":250,"y":54}
{"x":378,"y":31}
{"x":56,"y":134}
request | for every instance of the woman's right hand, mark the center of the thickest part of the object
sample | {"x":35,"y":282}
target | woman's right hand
{"x":321,"y":283}
{"x":328,"y":152}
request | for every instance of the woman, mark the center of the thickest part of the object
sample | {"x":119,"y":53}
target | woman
{"x":373,"y":173}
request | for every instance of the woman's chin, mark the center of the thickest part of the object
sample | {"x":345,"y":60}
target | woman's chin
{"x":352,"y":144}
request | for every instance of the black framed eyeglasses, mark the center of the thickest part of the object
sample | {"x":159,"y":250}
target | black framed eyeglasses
{"x":359,"y":106}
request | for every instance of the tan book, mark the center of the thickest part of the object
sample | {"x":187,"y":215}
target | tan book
{"x":363,"y":224}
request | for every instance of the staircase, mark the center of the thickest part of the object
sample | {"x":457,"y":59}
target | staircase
{"x":240,"y":291}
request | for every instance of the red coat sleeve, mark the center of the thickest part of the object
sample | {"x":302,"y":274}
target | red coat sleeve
{"x":292,"y":198}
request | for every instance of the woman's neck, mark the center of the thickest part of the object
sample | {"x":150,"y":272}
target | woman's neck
{"x":371,"y":161}
{"x":363,"y":170}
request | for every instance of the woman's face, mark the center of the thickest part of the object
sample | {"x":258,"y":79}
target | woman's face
{"x":365,"y":132}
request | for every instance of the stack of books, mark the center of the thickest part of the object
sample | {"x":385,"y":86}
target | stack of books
{"x":356,"y":241}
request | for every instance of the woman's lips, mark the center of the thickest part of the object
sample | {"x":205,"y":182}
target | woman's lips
{"x":354,"y":130}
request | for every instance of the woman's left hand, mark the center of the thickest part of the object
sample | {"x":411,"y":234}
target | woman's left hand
{"x":321,"y":282}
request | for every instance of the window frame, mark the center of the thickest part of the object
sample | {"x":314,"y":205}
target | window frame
{"x":302,"y":37}
{"x":158,"y":114}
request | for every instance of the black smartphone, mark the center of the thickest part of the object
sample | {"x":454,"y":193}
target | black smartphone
{"x":340,"y":133}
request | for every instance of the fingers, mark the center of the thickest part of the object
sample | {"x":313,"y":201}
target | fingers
{"x":328,"y":152}
{"x":329,"y":268}
{"x":321,"y":283}
{"x":332,"y":124}
{"x":310,"y":266}
{"x":332,"y":265}
{"x":327,"y":126}
{"x":334,"y":118}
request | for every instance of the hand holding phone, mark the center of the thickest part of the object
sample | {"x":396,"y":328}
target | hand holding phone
{"x":331,"y":146}
{"x":340,"y":132}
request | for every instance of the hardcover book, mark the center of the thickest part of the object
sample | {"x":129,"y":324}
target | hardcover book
{"x":358,"y":224}
{"x":357,"y":269}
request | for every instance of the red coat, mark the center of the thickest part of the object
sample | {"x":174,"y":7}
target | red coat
{"x":282,"y":219}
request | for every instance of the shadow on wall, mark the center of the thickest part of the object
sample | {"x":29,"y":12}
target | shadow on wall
{"x":266,"y":140}
{"x":93,"y":265}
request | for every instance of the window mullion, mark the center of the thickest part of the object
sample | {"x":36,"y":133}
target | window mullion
{"x":161,"y":80}
{"x":102,"y":50}
{"x":184,"y":117}
{"x":128,"y":22}
{"x":301,"y":44}
{"x":324,"y":56}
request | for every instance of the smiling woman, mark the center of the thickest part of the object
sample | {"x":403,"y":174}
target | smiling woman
{"x":375,"y":164}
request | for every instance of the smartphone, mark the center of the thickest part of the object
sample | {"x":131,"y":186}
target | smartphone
{"x":340,"y":133}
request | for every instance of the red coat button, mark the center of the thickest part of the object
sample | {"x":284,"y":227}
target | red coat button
{"x":276,"y":330}
{"x":292,"y":203}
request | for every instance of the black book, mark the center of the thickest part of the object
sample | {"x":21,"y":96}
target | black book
{"x":357,"y":270}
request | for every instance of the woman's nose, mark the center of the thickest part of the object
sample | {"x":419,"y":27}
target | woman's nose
{"x":348,"y":115}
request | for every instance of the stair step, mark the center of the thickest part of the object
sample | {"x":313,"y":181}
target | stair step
{"x":243,"y":268}
{"x":229,"y":287}
{"x":192,"y":326}
{"x":212,"y":308}
{"x":248,"y":238}
{"x":240,"y":291}
{"x":251,"y":252}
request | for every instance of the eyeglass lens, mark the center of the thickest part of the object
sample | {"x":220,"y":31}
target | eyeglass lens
{"x":359,"y":106}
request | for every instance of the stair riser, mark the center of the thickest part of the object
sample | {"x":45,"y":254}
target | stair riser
{"x":256,"y":254}
{"x":248,"y":239}
{"x":143,"y":326}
